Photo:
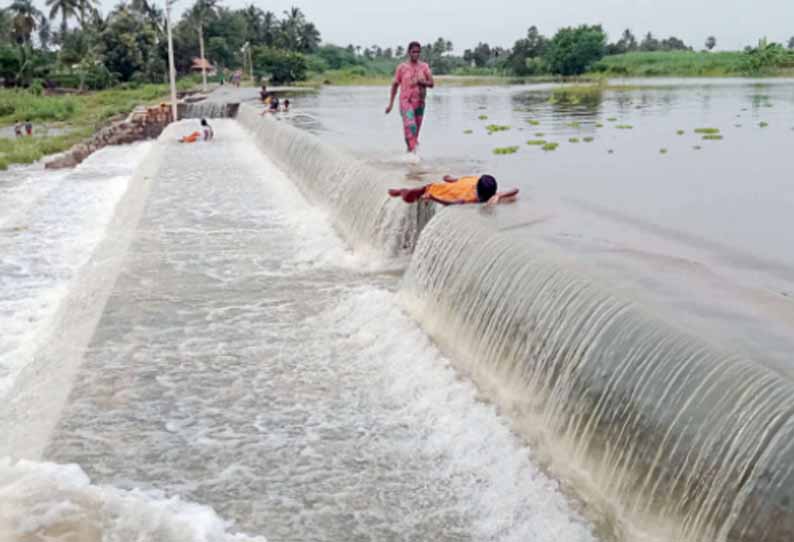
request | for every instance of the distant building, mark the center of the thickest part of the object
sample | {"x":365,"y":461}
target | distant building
{"x":199,"y":63}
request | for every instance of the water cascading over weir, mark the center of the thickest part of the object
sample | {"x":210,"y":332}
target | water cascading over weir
{"x":667,"y":425}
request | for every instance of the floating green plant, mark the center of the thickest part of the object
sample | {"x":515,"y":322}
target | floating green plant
{"x":588,"y":139}
{"x":612,"y":119}
{"x":680,"y":132}
{"x":599,"y":125}
{"x":533,"y":122}
{"x":505,"y":150}
{"x":496,"y":128}
{"x":738,"y":125}
{"x":573,"y":124}
{"x":763,"y":124}
{"x":707,"y":130}
{"x":550,"y":146}
{"x":483,"y":117}
{"x":662,"y":151}
{"x":536,"y":142}
{"x":624,"y":127}
{"x":468,"y":131}
{"x":573,"y":140}
{"x":539,"y":134}
{"x":712,"y":137}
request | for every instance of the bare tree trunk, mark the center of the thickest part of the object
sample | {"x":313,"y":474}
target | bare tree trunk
{"x":203,"y":60}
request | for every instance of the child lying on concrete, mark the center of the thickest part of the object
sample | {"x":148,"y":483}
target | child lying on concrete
{"x":206,"y":133}
{"x":455,"y":191}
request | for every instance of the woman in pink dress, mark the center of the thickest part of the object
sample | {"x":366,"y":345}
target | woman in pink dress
{"x":413,"y":78}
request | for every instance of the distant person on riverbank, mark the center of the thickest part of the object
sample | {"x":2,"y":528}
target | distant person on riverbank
{"x":412,"y":78}
{"x":286,"y":105}
{"x":236,"y":78}
{"x":457,"y":191}
{"x":28,"y":127}
{"x":18,"y":129}
{"x":264,"y":94}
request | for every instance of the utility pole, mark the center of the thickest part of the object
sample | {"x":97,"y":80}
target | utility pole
{"x":203,"y":60}
{"x":171,"y":68}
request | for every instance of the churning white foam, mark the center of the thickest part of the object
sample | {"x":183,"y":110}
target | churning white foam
{"x":486,"y":469}
{"x":58,"y":222}
{"x":58,"y":503}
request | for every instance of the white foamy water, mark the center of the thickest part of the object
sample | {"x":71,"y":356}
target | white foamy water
{"x":51,"y":223}
{"x":242,"y":363}
{"x":58,"y":503}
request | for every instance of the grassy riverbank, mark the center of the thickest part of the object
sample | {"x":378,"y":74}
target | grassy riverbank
{"x":80,"y":114}
{"x":690,"y":64}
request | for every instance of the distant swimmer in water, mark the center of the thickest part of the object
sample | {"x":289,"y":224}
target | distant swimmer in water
{"x":456,"y":191}
{"x":206,"y":134}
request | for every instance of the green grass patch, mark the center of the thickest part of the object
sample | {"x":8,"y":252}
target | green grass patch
{"x":84,"y":113}
{"x":539,"y":142}
{"x":578,"y":94}
{"x":707,"y":130}
{"x":712,"y":137}
{"x":506,"y":150}
{"x":672,"y":63}
{"x":496,"y":128}
{"x":551,"y":146}
{"x":483,"y":117}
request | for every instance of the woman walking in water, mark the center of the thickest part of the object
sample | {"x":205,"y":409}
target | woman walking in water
{"x":413,"y":78}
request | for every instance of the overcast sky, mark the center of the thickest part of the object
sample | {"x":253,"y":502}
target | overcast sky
{"x":735,"y":23}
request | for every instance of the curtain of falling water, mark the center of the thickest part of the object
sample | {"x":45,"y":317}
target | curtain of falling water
{"x":670,"y":426}
{"x":353,"y":192}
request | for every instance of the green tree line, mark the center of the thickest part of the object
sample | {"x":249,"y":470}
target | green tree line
{"x":72,"y":44}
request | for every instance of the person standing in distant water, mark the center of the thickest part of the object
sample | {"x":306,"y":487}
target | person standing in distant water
{"x":413,"y":78}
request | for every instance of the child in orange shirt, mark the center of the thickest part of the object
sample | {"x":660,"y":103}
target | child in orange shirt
{"x":456,"y":191}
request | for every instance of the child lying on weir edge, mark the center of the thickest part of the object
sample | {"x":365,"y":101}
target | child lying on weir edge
{"x":206,"y":133}
{"x":456,"y":191}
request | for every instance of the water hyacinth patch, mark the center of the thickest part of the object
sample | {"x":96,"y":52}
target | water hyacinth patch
{"x":550,"y":146}
{"x":536,"y":142}
{"x":573,"y":140}
{"x":707,"y":131}
{"x":680,"y":132}
{"x":505,"y":150}
{"x":612,"y":119}
{"x":662,"y":151}
{"x":624,"y":127}
{"x":599,"y":125}
{"x":533,"y":122}
{"x":763,"y":124}
{"x":573,"y":125}
{"x":712,"y":137}
{"x":539,"y":134}
{"x":468,"y":131}
{"x":496,"y":128}
{"x":483,"y":117}
{"x":588,"y":139}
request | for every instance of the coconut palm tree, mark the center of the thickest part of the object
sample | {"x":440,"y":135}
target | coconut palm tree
{"x":69,"y":9}
{"x":26,"y":19}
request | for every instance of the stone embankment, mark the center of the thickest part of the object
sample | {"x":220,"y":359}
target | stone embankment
{"x":143,"y":123}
